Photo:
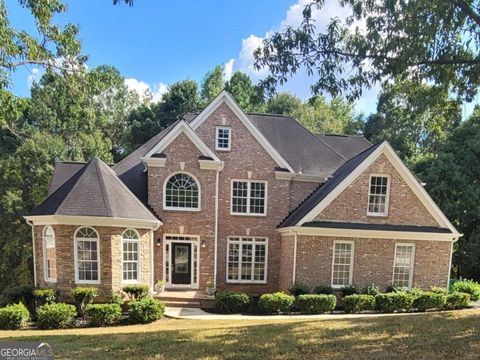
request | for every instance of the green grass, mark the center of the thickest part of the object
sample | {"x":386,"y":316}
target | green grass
{"x":447,"y":335}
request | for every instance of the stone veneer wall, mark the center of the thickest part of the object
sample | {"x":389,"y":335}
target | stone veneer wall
{"x":110,"y":259}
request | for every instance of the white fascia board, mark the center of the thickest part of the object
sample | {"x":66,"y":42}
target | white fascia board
{"x":93,"y":221}
{"x":370,"y":234}
{"x":224,"y":96}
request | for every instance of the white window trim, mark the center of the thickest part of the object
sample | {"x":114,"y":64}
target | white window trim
{"x":45,"y":262}
{"x":77,"y":280}
{"x":352,"y":257}
{"x":217,"y":130}
{"x":248,"y":213}
{"x":175,"y":208}
{"x":139,"y":261}
{"x":387,"y":196}
{"x":412,"y":266}
{"x":195,"y":241}
{"x":229,"y":241}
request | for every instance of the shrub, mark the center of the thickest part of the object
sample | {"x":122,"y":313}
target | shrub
{"x":137,"y":292}
{"x":429,"y":300}
{"x":457,"y":300}
{"x":371,"y":289}
{"x":394,"y":301}
{"x":145,"y":310}
{"x":323,"y":289}
{"x":467,"y":286}
{"x":348,"y":290}
{"x":415,"y":291}
{"x":232,"y":301}
{"x":275,"y":303}
{"x":392,"y":288}
{"x":117,"y":297}
{"x":14,"y":316}
{"x":358,"y":303}
{"x":103,"y":314}
{"x":56,"y":316}
{"x":45,"y":296}
{"x":439,"y":290}
{"x":84,"y":296}
{"x":316,"y":304}
{"x":21,"y":293}
{"x":299,"y":288}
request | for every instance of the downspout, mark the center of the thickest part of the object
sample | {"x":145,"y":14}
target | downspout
{"x":294,"y":258}
{"x":217,"y":179}
{"x":33,"y":248}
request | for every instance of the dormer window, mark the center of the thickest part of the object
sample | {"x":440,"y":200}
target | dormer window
{"x":223,"y":138}
{"x":378,"y":195}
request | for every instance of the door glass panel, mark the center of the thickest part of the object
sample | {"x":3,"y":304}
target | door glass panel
{"x":181,"y":259}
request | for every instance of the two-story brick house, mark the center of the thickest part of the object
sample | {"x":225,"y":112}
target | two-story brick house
{"x":253,"y":202}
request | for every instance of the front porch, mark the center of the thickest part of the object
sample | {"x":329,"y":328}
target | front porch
{"x":186,"y":298}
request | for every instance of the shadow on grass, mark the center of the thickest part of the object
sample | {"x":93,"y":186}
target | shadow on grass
{"x":433,"y":336}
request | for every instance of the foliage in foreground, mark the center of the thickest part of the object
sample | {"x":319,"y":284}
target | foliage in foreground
{"x":358,"y":303}
{"x":276,"y":303}
{"x":145,"y":310}
{"x":467,"y":286}
{"x":316,"y":304}
{"x":103,"y":314}
{"x":56,"y":316}
{"x":232,"y":301}
{"x":14,"y":316}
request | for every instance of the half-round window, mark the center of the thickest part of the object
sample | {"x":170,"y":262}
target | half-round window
{"x":182,"y":192}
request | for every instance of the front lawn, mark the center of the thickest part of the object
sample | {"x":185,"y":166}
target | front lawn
{"x":447,"y":335}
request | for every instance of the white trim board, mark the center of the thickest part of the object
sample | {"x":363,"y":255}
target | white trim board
{"x":182,"y":127}
{"x":93,"y":221}
{"x":406,"y":175}
{"x":225,"y":97}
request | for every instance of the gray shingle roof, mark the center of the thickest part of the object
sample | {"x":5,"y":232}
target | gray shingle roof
{"x":323,"y":190}
{"x":63,"y":171}
{"x":346,"y":145}
{"x":94,"y":190}
{"x":382,"y":227}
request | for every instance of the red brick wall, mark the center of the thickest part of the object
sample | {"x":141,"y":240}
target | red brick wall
{"x":110,"y":259}
{"x":373,"y":261}
{"x":286,"y":261}
{"x":404,"y":206}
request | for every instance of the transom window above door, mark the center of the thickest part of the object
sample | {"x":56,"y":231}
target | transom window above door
{"x":181,"y":192}
{"x":249,"y":197}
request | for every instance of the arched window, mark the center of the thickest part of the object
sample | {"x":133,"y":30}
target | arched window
{"x":87,"y":256}
{"x":181,"y":193}
{"x":130,"y":256}
{"x":49,"y":254}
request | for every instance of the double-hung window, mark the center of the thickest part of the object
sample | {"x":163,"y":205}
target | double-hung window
{"x":403,"y":265}
{"x":87,"y":262}
{"x":247,"y":259}
{"x":49,"y":254}
{"x":249,"y":197}
{"x":130,"y":256}
{"x":342,"y":268}
{"x":378,"y":195}
{"x":223,"y":138}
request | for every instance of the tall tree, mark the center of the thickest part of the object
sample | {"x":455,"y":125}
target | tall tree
{"x":437,"y":41}
{"x":247,"y":95}
{"x":283,"y":103}
{"x":415,"y":118}
{"x":212,"y":84}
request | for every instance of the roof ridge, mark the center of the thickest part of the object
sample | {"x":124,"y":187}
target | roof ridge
{"x":331,"y":147}
{"x":102,"y":186}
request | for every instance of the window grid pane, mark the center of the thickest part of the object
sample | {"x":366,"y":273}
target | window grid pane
{"x":223,"y":138}
{"x":246,"y":261}
{"x":87,"y":254}
{"x":402,"y":271}
{"x":50,"y":254}
{"x":342,"y":261}
{"x":248,"y":197}
{"x":377,"y":197}
{"x":181,"y":192}
{"x":131,"y":257}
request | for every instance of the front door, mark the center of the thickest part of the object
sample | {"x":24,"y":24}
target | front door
{"x":181,"y":264}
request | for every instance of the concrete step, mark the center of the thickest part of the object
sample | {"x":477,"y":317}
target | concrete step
{"x":183,"y":304}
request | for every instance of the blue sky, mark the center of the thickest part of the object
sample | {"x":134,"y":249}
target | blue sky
{"x":155,"y":43}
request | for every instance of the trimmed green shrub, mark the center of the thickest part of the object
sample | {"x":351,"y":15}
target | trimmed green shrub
{"x":415,"y":291}
{"x":103,"y":314}
{"x":392,"y":288}
{"x":117,"y":298}
{"x":467,"y":286}
{"x":276,"y":303}
{"x":45,"y":296}
{"x":439,"y":290}
{"x":358,"y":303}
{"x":56,"y":316}
{"x":457,"y":300}
{"x":348,"y":290}
{"x":323,"y":289}
{"x":14,"y":316}
{"x":371,"y":289}
{"x":316,"y":304}
{"x":394,"y":301}
{"x":83,"y":296}
{"x":429,"y":300}
{"x":137,"y":292}
{"x":145,"y":310}
{"x":21,"y":293}
{"x":232,"y":301}
{"x":299,"y":288}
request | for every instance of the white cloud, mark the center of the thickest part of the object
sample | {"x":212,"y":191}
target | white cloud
{"x":145,"y":91}
{"x":228,"y":69}
{"x":34,"y":76}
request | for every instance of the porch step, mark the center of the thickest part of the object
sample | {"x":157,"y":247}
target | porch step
{"x":188,"y":299}
{"x":183,"y":304}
